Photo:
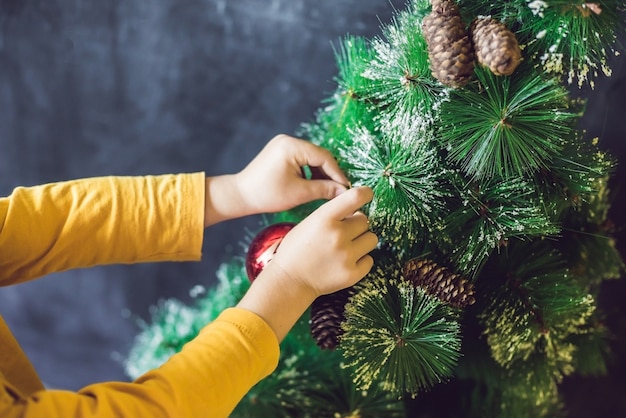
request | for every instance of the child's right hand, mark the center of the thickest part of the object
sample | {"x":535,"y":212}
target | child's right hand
{"x":328,"y":251}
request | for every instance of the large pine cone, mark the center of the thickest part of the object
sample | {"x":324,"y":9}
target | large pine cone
{"x":439,"y":282}
{"x":495,"y":45}
{"x":450,"y":49}
{"x":327,"y":315}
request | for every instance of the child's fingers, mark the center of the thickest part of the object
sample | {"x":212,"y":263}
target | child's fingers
{"x":347,"y":203}
{"x":322,"y":160}
{"x":365,"y":243}
{"x":356,"y":224}
{"x":320,"y":189}
{"x":364,"y":265}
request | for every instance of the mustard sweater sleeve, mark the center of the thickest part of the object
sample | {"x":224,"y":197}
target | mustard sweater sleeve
{"x":206,"y":379}
{"x":105,"y":220}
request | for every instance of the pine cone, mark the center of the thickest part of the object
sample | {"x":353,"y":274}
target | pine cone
{"x":327,"y":315}
{"x":440,"y":282}
{"x":450,"y":50}
{"x":495,"y":45}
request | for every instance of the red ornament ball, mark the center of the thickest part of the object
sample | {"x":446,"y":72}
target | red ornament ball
{"x":264,"y":246}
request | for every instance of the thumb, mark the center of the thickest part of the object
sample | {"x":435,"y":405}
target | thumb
{"x":347,"y":203}
{"x":323,"y":189}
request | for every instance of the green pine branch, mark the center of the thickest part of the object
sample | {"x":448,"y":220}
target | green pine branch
{"x":172,"y":323}
{"x":487,"y":216}
{"x":530,"y":388}
{"x":506,"y":126}
{"x":402,"y":87}
{"x":575,"y":177}
{"x":397,"y":336}
{"x":536,"y":308}
{"x":404,"y":173}
{"x":587,"y":241}
{"x":493,"y":179}
{"x":572,"y":40}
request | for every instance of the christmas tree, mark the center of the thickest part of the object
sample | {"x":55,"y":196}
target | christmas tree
{"x":492,"y":208}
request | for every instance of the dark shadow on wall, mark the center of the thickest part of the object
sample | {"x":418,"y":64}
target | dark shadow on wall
{"x":133,"y":88}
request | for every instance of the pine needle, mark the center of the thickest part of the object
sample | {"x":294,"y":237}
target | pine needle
{"x":397,"y":335}
{"x":403,"y":171}
{"x":537,"y":308}
{"x":506,"y":126}
{"x":402,"y":88}
{"x":489,"y":215}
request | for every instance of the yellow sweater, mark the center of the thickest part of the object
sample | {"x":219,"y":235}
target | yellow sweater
{"x":107,"y":220}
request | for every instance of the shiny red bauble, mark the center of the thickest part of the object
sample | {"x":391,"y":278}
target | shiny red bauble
{"x":264,"y":246}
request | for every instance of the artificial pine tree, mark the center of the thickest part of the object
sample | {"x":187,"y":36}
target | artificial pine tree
{"x":492,"y":210}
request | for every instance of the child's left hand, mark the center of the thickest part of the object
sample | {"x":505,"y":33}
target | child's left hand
{"x":274,"y":181}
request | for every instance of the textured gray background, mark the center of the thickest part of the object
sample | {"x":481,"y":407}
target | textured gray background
{"x":147,"y":87}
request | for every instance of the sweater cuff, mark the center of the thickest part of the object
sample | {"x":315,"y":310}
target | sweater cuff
{"x":194,"y":213}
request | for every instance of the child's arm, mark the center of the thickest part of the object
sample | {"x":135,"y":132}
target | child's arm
{"x":324,"y":253}
{"x":105,"y":220}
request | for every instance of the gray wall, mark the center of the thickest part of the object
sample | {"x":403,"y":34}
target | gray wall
{"x":147,"y":87}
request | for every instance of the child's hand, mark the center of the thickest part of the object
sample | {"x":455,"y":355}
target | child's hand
{"x":328,"y":251}
{"x":273,"y":181}
{"x":324,"y":253}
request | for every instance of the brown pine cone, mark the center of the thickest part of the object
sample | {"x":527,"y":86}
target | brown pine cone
{"x":440,"y":282}
{"x":327,"y":315}
{"x":450,"y":49}
{"x":495,"y":45}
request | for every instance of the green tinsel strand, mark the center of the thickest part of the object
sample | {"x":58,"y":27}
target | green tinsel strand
{"x":401,"y":87}
{"x":488,"y":215}
{"x":537,"y":308}
{"x":506,"y":126}
{"x":398,"y":336}
{"x":405,"y":175}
